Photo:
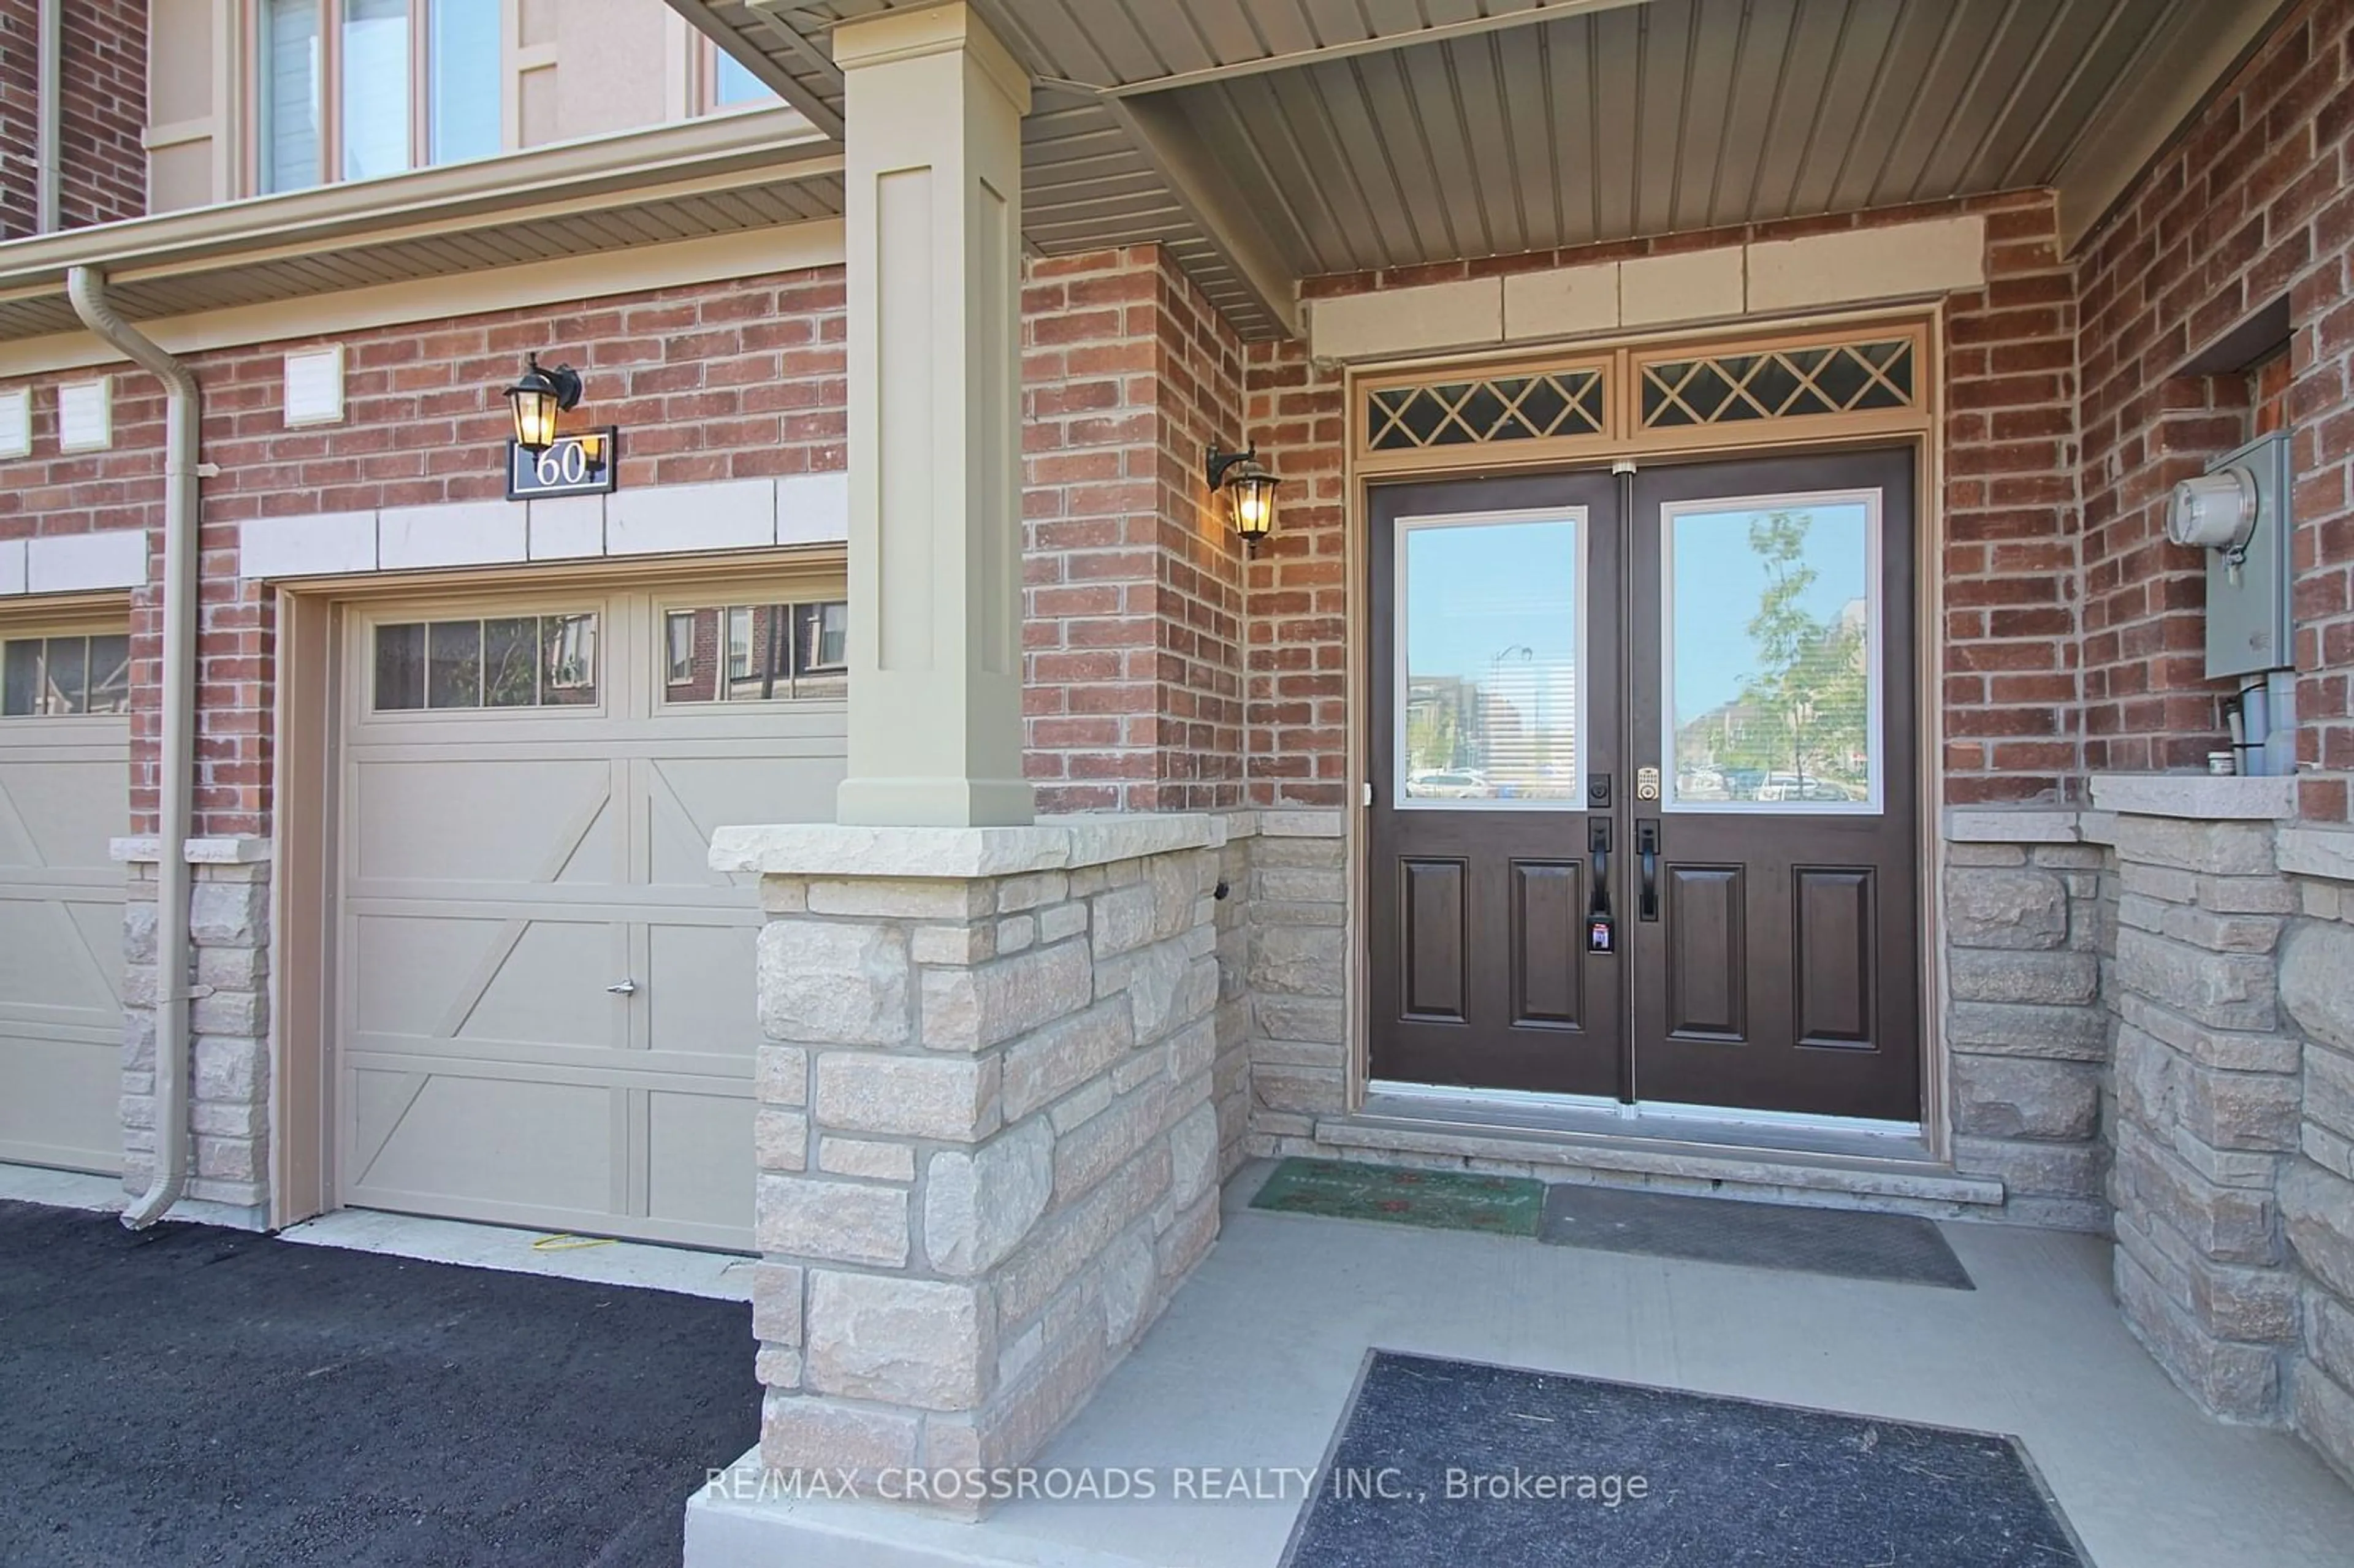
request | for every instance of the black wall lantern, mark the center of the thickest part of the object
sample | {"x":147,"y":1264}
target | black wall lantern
{"x":1249,"y":490}
{"x":538,"y":398}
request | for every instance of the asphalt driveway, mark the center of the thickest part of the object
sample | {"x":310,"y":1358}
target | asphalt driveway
{"x":192,"y":1395}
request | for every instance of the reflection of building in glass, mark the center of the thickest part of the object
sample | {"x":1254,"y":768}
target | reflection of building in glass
{"x":755,"y":652}
{"x":1799,"y":731}
{"x":1529,"y":727}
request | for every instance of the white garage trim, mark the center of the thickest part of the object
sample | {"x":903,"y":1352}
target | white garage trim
{"x":792,"y":510}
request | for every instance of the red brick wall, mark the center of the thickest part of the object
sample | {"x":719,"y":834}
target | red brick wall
{"x":716,"y":381}
{"x":1133,"y":608}
{"x":102,"y":77}
{"x":2250,"y":204}
{"x":2008,"y":610}
{"x":19,"y":116}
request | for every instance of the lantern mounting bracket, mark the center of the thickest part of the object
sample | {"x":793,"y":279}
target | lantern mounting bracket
{"x":1221,"y":460}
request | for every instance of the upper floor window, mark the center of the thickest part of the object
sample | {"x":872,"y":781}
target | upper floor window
{"x":732,"y":83}
{"x":353,"y":88}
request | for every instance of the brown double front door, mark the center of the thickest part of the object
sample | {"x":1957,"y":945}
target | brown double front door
{"x":1644,"y":818}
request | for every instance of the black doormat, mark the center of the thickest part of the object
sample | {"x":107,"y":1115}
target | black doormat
{"x":1902,"y":1248}
{"x":192,"y":1395}
{"x":1442,"y":1464}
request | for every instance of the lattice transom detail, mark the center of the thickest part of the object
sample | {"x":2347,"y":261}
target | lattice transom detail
{"x":1497,"y":409}
{"x":1778,"y":384}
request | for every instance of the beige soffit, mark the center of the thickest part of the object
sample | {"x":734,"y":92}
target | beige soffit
{"x":724,"y":172}
{"x":2178,"y":73}
{"x":752,"y":252}
{"x":1893,"y":265}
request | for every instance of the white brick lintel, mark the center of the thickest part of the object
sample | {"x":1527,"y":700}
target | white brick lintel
{"x":146,"y":848}
{"x":74,"y":563}
{"x":1917,"y":261}
{"x":671,"y":519}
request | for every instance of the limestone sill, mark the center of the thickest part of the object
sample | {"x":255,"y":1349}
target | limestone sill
{"x":1051,"y":843}
{"x":1757,"y":1174}
{"x":2195,"y":797}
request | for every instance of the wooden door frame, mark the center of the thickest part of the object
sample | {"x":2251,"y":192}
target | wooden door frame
{"x":1920,"y":428}
{"x":306,"y":772}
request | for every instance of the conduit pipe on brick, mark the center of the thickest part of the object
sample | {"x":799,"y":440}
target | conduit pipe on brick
{"x":49,"y":151}
{"x":174,"y":778}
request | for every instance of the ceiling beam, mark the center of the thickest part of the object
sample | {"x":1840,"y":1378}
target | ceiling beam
{"x":1162,"y":132}
{"x":1544,"y":11}
{"x":2166,"y":85}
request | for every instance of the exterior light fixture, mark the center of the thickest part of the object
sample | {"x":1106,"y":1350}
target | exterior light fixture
{"x":1249,"y":489}
{"x":538,"y":398}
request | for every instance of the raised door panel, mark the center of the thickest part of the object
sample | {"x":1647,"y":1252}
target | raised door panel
{"x":1433,"y":982}
{"x":1707,"y":969}
{"x":1548,"y":953}
{"x":1833,"y":933}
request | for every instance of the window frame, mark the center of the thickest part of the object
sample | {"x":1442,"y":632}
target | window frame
{"x":332,"y":17}
{"x":86,"y":628}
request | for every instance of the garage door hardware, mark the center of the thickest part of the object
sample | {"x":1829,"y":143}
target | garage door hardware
{"x":627,"y":987}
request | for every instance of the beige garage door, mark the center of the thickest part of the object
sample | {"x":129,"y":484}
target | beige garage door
{"x":64,"y":791}
{"x":545,"y":1000}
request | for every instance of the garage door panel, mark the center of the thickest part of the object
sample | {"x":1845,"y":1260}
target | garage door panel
{"x":694,"y":990}
{"x":714,"y":791}
{"x":501,"y":869}
{"x":457,"y":1140}
{"x":58,"y":806}
{"x":699,"y":1159}
{"x":476,"y":980}
{"x":64,"y":793}
{"x":469,"y":821}
{"x":62,"y":1098}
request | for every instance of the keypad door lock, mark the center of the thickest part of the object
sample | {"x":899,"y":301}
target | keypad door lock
{"x":1647,"y":783}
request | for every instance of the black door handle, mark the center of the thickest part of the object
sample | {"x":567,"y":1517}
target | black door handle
{"x":1647,"y":850}
{"x":1597,"y":844}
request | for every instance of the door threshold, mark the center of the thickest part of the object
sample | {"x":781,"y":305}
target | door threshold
{"x":1748,"y":1154}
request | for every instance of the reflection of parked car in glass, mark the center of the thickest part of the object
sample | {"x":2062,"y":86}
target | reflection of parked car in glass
{"x":1434,"y":784}
{"x":1701,"y":784}
{"x":1790,"y":787}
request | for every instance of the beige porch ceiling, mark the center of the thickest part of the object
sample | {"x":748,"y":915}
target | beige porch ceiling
{"x":1264,"y":140}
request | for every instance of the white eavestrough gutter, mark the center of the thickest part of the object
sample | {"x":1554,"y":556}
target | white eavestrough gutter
{"x":49,"y":43}
{"x":174,"y":779}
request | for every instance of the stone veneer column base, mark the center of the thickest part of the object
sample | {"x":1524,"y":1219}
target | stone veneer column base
{"x":987,"y":1140}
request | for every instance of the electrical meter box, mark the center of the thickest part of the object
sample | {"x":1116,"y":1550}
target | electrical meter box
{"x":2238,"y":512}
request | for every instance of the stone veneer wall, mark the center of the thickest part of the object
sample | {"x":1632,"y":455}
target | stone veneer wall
{"x":2025,"y":1034}
{"x":987,"y":1140}
{"x":1299,"y":914}
{"x":228,"y":1109}
{"x":2206,"y":1089}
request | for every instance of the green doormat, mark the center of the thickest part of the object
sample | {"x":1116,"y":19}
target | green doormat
{"x":1439,"y":1200}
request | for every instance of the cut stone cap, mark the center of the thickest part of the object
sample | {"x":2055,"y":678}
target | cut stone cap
{"x":1052,"y":843}
{"x":2209,"y":796}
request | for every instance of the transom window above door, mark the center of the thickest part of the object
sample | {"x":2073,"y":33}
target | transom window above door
{"x":756,"y":653}
{"x":71,"y":675}
{"x":486,"y":661}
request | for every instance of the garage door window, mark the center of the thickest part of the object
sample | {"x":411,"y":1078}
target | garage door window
{"x":47,"y":677}
{"x":501,"y":661}
{"x":755,"y":652}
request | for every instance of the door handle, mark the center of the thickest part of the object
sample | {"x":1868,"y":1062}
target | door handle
{"x":1597,"y":844}
{"x":627,"y":987}
{"x":1646,"y":852}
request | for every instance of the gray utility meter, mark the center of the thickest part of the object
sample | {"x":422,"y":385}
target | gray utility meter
{"x":2238,"y":512}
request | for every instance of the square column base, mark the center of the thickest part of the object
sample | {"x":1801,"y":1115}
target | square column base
{"x":988,"y":1150}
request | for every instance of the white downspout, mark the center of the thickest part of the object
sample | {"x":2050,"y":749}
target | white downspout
{"x":50,"y":44}
{"x":174,"y":778}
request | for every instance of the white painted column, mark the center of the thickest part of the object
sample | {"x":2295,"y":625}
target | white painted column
{"x":934,"y":145}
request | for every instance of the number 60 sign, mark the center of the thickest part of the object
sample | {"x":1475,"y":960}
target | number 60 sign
{"x":582,"y":464}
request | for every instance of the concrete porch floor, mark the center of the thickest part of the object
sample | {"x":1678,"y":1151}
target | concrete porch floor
{"x":1253,"y":1361}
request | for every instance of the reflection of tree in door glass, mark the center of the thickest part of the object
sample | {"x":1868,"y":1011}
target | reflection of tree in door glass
{"x":1779,"y":637}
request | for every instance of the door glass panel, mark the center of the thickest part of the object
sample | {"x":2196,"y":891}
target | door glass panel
{"x":1489,"y":643}
{"x":1772,"y":635}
